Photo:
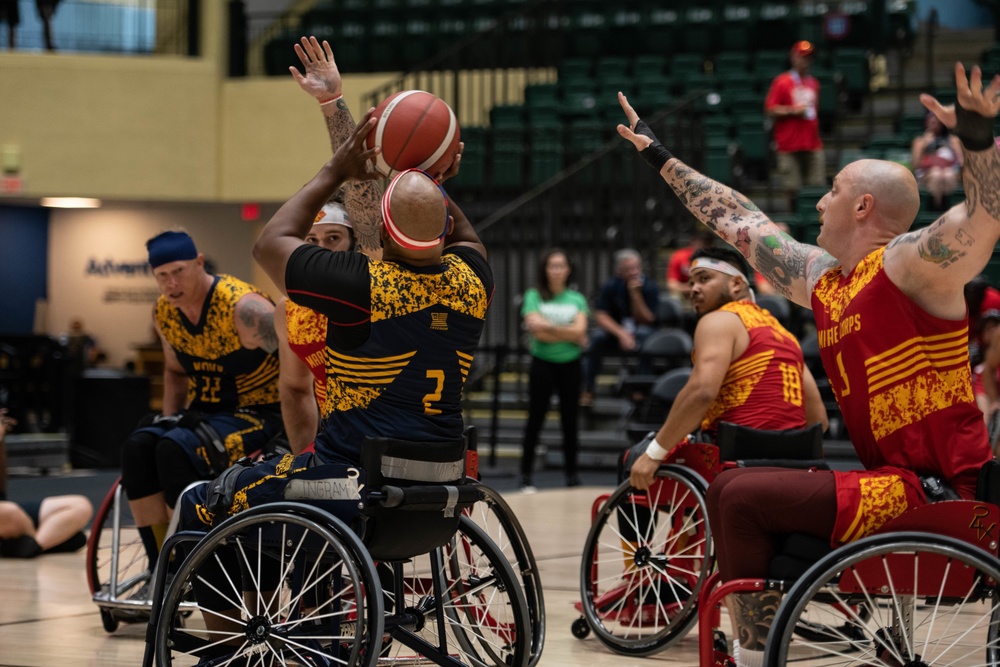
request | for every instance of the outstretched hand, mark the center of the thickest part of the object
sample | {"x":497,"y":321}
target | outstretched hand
{"x":971,"y":94}
{"x":322,"y":79}
{"x":352,"y":161}
{"x":640,"y":141}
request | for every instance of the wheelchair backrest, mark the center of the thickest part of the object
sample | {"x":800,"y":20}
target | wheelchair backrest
{"x":399,"y":533}
{"x":738,"y":443}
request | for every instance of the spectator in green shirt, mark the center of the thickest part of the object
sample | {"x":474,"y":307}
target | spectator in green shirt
{"x":555,"y":317}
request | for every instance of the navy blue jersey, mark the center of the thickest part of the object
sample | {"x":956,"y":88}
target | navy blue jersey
{"x":400,"y":341}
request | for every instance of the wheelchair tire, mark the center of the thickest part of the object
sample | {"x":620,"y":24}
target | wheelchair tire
{"x":308,"y":551}
{"x":641,"y":572}
{"x":931,"y":600}
{"x":482,"y":620}
{"x":500,"y":524}
{"x":116,"y":563}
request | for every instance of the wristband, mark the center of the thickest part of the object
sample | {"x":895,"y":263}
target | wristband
{"x":656,"y":155}
{"x":329,"y":100}
{"x":655,"y":451}
{"x":974,"y":131}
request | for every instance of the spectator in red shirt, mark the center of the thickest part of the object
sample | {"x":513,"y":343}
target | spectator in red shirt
{"x":679,"y":265}
{"x":792,"y":102}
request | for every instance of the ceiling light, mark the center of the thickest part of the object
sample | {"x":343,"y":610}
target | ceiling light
{"x":70,"y":202}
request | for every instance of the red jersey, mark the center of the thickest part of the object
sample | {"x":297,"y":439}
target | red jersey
{"x":795,"y":133}
{"x":763,"y":387}
{"x":307,"y":339}
{"x":902,"y":379}
{"x":679,"y":265}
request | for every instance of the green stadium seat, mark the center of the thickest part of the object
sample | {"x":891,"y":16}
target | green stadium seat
{"x":718,"y":125}
{"x":507,"y":116}
{"x":853,"y":65}
{"x":575,"y":70}
{"x":687,"y":63}
{"x":541,"y":95}
{"x":648,"y":65}
{"x":880,"y":143}
{"x":768,"y":64}
{"x":911,"y":124}
{"x":805,"y":203}
{"x":578,"y":99}
{"x":587,"y":34}
{"x":725,"y":62}
{"x":718,"y":165}
{"x":610,"y":67}
{"x":662,"y":25}
{"x":752,"y":137}
{"x":701,"y":29}
{"x":738,"y":23}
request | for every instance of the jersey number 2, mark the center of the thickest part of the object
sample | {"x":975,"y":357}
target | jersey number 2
{"x":438,"y":377}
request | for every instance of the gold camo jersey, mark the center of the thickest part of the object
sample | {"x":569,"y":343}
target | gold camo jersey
{"x":406,"y":380}
{"x":222,"y":375}
{"x":763,"y":387}
{"x":901,"y":376}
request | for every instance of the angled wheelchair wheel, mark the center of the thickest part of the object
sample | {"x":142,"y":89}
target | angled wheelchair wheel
{"x":461,"y":602}
{"x":500,"y":524}
{"x":928,"y":601}
{"x":644,"y":563}
{"x":116,"y":563}
{"x":288,"y":584}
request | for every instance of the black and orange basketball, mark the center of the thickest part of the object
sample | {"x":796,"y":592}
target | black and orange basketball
{"x":415,"y":129}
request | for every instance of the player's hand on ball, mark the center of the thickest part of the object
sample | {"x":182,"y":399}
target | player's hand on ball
{"x":322,"y":79}
{"x":451,"y":171}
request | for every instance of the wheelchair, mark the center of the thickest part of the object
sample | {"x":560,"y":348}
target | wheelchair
{"x":648,"y":554}
{"x":410,"y":579}
{"x":118,"y":572}
{"x":118,"y":569}
{"x":921,"y":591}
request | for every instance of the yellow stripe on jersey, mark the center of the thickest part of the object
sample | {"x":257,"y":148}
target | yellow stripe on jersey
{"x":942,"y":352}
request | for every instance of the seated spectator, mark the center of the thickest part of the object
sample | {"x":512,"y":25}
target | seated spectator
{"x":980,"y":298}
{"x":678,"y":267}
{"x":625,"y":314}
{"x":937,"y":161}
{"x":53,"y":525}
{"x":986,"y":374}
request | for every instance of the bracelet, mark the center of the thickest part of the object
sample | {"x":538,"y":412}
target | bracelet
{"x":329,"y":100}
{"x":655,"y":451}
{"x":656,"y":155}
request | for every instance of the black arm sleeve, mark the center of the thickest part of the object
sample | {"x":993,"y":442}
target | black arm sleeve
{"x":336,"y":284}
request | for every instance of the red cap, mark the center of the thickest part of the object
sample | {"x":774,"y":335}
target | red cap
{"x":803,"y":48}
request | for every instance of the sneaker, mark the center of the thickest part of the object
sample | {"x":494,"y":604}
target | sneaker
{"x":526,"y":486}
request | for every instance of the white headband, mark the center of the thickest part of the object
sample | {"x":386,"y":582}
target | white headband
{"x":720,"y":266}
{"x":332,"y":214}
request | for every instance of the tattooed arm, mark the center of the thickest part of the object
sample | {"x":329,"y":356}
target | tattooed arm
{"x":255,"y":323}
{"x":791,"y":267}
{"x":323,"y":81}
{"x":939,"y":259}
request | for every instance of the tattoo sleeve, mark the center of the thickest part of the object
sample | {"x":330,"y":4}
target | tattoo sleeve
{"x":790,"y":266}
{"x":258,"y":318}
{"x":361,"y":199}
{"x":981,"y":179}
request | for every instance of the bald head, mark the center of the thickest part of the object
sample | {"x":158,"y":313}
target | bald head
{"x":416,"y":207}
{"x":893,"y":188}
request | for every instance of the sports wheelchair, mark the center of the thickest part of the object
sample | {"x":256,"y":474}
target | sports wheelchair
{"x":920,"y":592}
{"x":395,"y":573}
{"x":119,"y":576}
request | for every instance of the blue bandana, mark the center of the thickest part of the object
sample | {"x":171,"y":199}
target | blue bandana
{"x":170,"y":247}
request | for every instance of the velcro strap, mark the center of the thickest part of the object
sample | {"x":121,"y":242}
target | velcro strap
{"x":432,"y":472}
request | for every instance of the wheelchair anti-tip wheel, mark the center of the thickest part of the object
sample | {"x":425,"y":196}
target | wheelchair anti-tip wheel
{"x":116,"y":562}
{"x":298,"y":586}
{"x":466,"y":599}
{"x":645,"y":561}
{"x":500,"y":524}
{"x":929,"y":601}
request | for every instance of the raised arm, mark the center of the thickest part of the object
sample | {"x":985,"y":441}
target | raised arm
{"x":322,"y":80}
{"x":938,"y":260}
{"x":285,"y":232}
{"x":791,"y":267}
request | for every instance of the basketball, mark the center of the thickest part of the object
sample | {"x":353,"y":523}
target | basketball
{"x":415,"y":129}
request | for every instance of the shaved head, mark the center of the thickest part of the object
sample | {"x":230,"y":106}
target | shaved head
{"x":417,"y":207}
{"x":897,"y":199}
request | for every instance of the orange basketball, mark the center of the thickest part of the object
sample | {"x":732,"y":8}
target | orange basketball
{"x":415,"y":129}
